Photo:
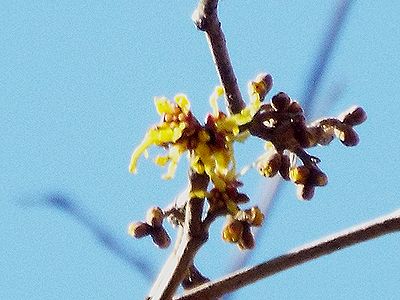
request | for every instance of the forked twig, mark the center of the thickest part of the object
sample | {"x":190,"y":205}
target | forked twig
{"x":193,"y":237}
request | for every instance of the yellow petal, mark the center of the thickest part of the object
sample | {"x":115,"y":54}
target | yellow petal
{"x":147,"y":142}
{"x":163,"y":105}
{"x":183,"y":102}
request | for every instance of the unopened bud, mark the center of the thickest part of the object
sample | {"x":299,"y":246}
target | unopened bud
{"x":280,"y":101}
{"x":295,"y":108}
{"x":354,"y":116}
{"x":160,"y":237}
{"x":270,"y":166}
{"x":247,"y":239}
{"x":299,"y":175}
{"x":256,"y":216}
{"x":232,"y":231}
{"x":305,"y":192}
{"x":262,"y":85}
{"x":139,"y":229}
{"x":347,"y":136}
{"x":317,"y":177}
{"x":241,"y":198}
{"x":155,"y":216}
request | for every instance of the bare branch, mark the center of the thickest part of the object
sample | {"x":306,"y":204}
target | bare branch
{"x":193,"y":237}
{"x":354,"y":235}
{"x":206,"y":19}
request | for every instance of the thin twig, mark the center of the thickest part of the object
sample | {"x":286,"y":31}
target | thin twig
{"x":206,"y":19}
{"x":354,"y":235}
{"x":193,"y":237}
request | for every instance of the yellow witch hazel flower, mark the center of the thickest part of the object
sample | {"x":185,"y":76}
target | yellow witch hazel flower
{"x":175,"y":119}
{"x":210,"y":145}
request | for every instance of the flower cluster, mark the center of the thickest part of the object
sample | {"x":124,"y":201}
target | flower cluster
{"x":210,"y":148}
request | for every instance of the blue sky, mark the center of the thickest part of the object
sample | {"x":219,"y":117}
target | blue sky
{"x":77,"y":83}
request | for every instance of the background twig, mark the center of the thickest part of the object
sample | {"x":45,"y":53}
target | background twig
{"x":106,"y":238}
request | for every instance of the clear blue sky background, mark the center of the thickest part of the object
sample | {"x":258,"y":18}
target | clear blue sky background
{"x":77,"y":83}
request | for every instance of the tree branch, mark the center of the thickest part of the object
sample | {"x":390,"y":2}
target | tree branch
{"x":354,"y":235}
{"x":206,"y":19}
{"x":193,"y":237}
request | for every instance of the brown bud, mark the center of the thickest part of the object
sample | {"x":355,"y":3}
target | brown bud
{"x":256,"y":216}
{"x":299,"y":175}
{"x":262,"y":84}
{"x":317,"y":177}
{"x":347,"y":136}
{"x":241,"y":198}
{"x":139,"y":229}
{"x":295,"y":108}
{"x":247,"y":240}
{"x":232,"y":230}
{"x":305,"y":192}
{"x":354,"y":116}
{"x":155,"y":216}
{"x":280,"y":101}
{"x":270,"y":166}
{"x":285,"y":165}
{"x":160,"y":237}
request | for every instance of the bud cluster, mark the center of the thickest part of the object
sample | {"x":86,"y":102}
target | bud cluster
{"x":237,"y":228}
{"x":283,"y":125}
{"x":153,"y":227}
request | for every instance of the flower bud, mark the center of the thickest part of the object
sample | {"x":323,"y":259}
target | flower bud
{"x":256,"y":216}
{"x":305,"y":192}
{"x":270,"y":166}
{"x":317,"y":177}
{"x":155,"y":216}
{"x":299,"y":175}
{"x":160,"y":237}
{"x":139,"y":229}
{"x":347,"y":136}
{"x":232,"y":231}
{"x":262,"y":85}
{"x":247,"y":239}
{"x":354,"y":116}
{"x":280,"y":101}
{"x":295,"y":108}
{"x":241,"y":198}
